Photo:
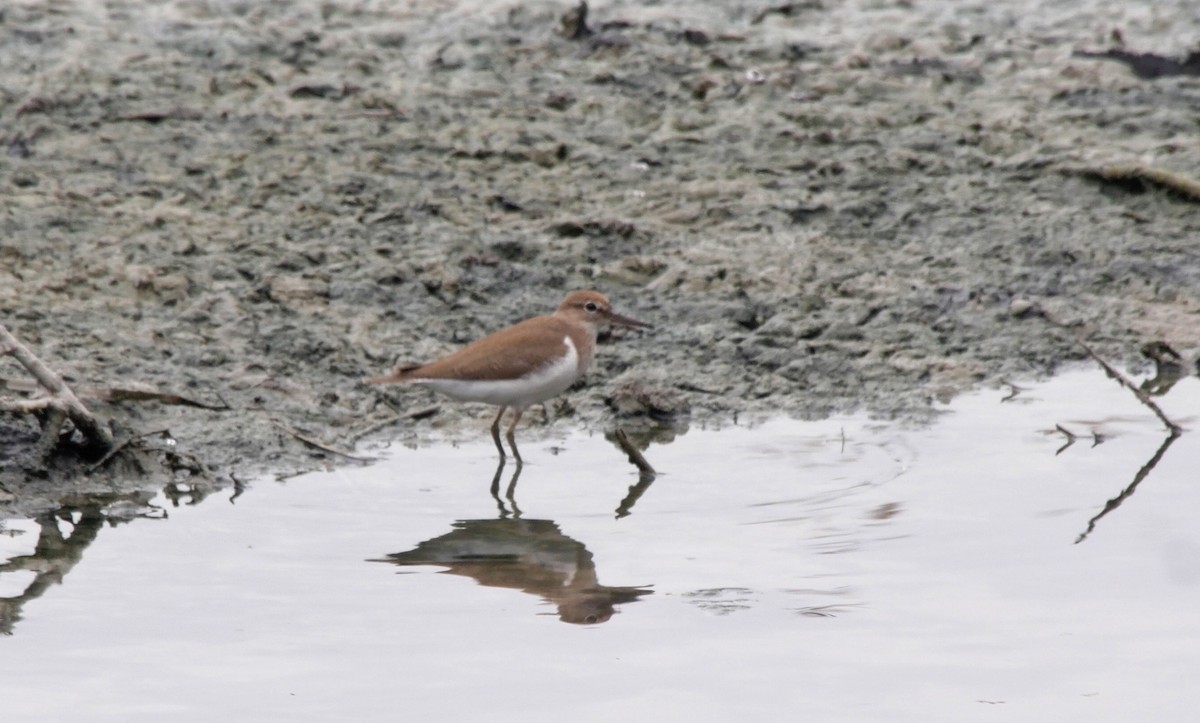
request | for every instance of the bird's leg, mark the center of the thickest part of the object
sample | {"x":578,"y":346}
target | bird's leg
{"x":517,"y":412}
{"x":496,"y":435}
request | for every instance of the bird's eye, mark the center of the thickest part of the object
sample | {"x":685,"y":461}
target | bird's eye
{"x":591,"y":306}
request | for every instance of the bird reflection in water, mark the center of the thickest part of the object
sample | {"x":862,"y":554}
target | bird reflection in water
{"x":533,"y":556}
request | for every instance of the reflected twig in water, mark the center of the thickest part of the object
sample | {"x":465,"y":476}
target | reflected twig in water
{"x":824,"y":611}
{"x":56,"y":554}
{"x":509,"y":494}
{"x":238,"y":487}
{"x":1070,"y":439}
{"x":635,"y":493}
{"x":1115,"y":502}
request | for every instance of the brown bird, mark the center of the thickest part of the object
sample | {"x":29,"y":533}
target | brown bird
{"x":525,"y":364}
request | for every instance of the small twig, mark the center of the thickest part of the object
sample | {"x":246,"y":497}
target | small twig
{"x":424,"y":413}
{"x":383,"y":423}
{"x":116,"y":394}
{"x":111,"y":453}
{"x":158,"y":116}
{"x":635,"y":456}
{"x":381,"y":113}
{"x":1111,"y":371}
{"x":689,"y":387}
{"x":318,"y":444}
{"x":1187,"y":187}
{"x":374,"y":427}
{"x":788,"y":9}
{"x":122,"y":445}
{"x":1137,"y":392}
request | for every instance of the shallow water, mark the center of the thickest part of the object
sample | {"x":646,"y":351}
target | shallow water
{"x":837,"y":570}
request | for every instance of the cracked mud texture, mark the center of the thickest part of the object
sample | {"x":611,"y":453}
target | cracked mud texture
{"x":821,"y":206}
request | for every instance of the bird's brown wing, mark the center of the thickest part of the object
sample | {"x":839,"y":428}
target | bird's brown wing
{"x":506,"y":354}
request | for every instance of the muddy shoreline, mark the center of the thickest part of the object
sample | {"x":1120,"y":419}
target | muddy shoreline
{"x":821,"y":207}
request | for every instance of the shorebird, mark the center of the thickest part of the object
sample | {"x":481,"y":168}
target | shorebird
{"x":522,"y":365}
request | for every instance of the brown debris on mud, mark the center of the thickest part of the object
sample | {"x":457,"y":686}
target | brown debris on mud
{"x":838,"y":206}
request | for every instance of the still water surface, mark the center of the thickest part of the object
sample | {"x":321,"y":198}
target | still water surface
{"x":837,"y":570}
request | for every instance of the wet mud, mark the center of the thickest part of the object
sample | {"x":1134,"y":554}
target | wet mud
{"x":820,"y":206}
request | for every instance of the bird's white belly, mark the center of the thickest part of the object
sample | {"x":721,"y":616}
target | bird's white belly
{"x":538,"y":386}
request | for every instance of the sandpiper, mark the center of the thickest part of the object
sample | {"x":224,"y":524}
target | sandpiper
{"x":522,"y":365}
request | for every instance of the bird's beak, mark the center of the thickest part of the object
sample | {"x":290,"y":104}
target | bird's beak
{"x":617,"y":320}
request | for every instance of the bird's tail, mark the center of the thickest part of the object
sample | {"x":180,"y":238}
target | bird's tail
{"x":395,"y":376}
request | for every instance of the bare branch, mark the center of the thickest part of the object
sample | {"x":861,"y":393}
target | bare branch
{"x":1137,"y":392}
{"x":1109,"y":369}
{"x":133,"y":393}
{"x":95,"y":434}
{"x":635,"y":455}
